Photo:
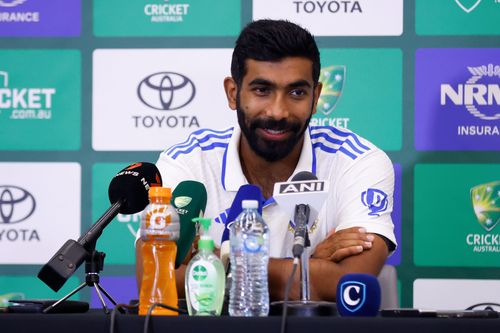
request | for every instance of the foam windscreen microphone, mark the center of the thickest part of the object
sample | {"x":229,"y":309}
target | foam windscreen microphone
{"x":131,"y":186}
{"x":358,"y":295}
{"x":128,"y":194}
{"x":245,"y":192}
{"x":189,"y":200}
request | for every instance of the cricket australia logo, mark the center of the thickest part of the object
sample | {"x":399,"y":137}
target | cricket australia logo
{"x":332,"y":78}
{"x":486,"y":204}
{"x":376,"y":201}
{"x":480,"y":95}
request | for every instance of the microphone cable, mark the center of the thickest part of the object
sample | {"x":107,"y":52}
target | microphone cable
{"x":150,"y":311}
{"x":117,"y":309}
{"x":287,"y":291}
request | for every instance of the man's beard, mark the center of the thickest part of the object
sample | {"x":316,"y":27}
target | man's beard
{"x":275,"y":150}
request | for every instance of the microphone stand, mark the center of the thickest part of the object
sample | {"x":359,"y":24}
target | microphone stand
{"x":94,"y":263}
{"x":72,"y":254}
{"x":305,"y":307}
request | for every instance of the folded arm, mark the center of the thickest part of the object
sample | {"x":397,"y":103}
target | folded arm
{"x":325,"y":272}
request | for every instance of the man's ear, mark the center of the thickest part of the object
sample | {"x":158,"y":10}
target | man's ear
{"x":317,"y":93}
{"x":231,"y":89}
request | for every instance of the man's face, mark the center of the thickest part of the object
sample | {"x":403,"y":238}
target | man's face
{"x":274,"y":105}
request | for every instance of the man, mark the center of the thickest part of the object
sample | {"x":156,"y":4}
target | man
{"x":274,"y":89}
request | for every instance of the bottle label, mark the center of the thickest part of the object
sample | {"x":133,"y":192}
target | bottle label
{"x":253,"y":244}
{"x":160,"y":221}
{"x":202,"y":279}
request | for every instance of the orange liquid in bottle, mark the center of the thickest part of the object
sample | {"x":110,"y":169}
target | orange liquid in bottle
{"x":158,"y":280}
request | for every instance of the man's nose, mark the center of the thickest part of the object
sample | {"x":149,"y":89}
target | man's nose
{"x":277,"y":108}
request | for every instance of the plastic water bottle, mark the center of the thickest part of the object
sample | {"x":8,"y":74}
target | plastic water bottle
{"x":160,"y":229}
{"x":249,"y":239}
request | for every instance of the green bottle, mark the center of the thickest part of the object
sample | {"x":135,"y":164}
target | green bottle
{"x":205,"y":278}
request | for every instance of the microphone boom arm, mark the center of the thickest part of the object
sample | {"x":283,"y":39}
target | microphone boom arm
{"x":89,"y":239}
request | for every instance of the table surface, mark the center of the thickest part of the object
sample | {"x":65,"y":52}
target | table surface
{"x":96,"y":321}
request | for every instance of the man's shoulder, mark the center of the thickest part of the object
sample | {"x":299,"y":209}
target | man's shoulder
{"x":339,"y":143}
{"x":201,"y":142}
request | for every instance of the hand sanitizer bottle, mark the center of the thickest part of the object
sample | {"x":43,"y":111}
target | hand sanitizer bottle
{"x":205,"y":278}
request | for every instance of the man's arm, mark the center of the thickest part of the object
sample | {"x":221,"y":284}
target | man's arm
{"x":324,"y":274}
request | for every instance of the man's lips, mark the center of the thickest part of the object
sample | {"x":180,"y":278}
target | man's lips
{"x":273,"y":134}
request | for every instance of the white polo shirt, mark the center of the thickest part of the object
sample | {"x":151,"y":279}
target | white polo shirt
{"x":361,"y":182}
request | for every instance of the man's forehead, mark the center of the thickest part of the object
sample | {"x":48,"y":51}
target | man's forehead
{"x":289,"y":69}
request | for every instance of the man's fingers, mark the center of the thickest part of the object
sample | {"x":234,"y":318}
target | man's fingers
{"x":342,"y":237}
{"x":351,"y":243}
{"x":346,"y":252}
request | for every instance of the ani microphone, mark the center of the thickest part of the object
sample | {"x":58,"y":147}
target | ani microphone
{"x":302,"y":197}
{"x":358,"y":295}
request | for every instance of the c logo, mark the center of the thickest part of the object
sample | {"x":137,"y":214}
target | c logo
{"x":353,"y":295}
{"x":347,"y":295}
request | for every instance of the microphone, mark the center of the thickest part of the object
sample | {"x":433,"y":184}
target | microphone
{"x":245,"y":192}
{"x":128,"y":194}
{"x":189,"y":200}
{"x":301,"y":238}
{"x":358,"y":295}
{"x":310,"y":192}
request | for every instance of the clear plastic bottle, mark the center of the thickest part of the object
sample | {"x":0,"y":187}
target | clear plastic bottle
{"x":249,"y":239}
{"x":205,"y":277}
{"x":160,"y":229}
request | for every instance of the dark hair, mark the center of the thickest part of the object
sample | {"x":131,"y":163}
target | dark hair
{"x":273,"y":40}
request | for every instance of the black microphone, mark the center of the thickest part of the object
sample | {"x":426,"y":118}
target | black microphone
{"x":128,"y":194}
{"x":301,"y":218}
{"x":301,"y":239}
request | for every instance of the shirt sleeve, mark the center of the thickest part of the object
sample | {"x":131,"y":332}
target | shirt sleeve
{"x":365,"y":195}
{"x":173,"y":171}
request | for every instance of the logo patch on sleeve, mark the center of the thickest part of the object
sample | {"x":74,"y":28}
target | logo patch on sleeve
{"x":375,"y":200}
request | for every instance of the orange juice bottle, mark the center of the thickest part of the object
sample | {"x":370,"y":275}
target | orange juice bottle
{"x":160,"y":229}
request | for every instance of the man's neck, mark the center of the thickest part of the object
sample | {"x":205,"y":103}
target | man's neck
{"x":260,"y":172}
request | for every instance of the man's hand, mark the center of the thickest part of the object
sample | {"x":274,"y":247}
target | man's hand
{"x":341,"y":244}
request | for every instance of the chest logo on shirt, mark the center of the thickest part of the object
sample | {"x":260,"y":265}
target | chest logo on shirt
{"x":311,"y":229}
{"x":375,"y":200}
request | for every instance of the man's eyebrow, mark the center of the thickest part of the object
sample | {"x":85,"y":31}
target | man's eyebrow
{"x":300,"y":83}
{"x":260,"y":81}
{"x":264,"y":82}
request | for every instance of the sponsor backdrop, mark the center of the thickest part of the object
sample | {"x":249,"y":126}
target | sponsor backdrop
{"x":110,"y":82}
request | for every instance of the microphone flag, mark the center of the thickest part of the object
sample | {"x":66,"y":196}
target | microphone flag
{"x":189,"y":200}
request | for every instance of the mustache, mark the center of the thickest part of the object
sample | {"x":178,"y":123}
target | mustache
{"x":276,"y":125}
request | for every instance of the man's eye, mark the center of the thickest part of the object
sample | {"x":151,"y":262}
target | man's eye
{"x":298,"y":92}
{"x":261,"y":90}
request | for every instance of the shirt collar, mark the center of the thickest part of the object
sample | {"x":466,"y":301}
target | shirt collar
{"x":232,"y":175}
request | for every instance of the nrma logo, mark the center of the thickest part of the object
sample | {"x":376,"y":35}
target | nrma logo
{"x":479,"y":95}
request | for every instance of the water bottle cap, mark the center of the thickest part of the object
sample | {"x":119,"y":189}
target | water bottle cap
{"x":245,"y":204}
{"x":157,"y":191}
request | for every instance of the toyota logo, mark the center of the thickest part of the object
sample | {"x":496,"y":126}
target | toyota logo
{"x":166,"y":91}
{"x":16,"y":204}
